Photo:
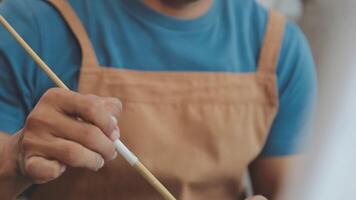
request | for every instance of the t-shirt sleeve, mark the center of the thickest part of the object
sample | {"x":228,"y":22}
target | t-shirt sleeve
{"x":17,"y":70}
{"x":297,"y":94}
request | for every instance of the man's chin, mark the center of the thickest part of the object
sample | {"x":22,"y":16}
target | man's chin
{"x":177,"y":3}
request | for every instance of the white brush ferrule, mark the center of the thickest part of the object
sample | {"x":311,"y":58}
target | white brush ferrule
{"x":125,"y":152}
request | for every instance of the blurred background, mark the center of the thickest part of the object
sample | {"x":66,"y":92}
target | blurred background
{"x":328,"y":171}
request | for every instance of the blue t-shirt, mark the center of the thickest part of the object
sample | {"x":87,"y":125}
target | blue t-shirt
{"x":127,"y":34}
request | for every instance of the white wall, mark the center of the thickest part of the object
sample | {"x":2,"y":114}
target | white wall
{"x":330,"y":25}
{"x":329,"y":171}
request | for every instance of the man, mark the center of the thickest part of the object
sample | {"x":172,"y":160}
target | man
{"x":204,"y":95}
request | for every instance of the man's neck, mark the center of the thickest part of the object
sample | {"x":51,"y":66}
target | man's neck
{"x":182,"y":9}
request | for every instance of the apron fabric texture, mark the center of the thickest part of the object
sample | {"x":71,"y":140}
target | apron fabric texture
{"x":197,"y":132}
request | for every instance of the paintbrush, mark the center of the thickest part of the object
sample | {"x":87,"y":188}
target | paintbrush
{"x":120,"y":147}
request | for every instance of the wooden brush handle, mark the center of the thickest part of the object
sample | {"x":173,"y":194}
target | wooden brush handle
{"x":138,"y":165}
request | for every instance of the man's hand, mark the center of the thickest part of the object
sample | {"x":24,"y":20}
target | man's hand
{"x":256,"y":198}
{"x":64,"y":129}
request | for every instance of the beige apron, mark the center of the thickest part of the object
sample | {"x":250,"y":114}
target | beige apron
{"x":196,"y":131}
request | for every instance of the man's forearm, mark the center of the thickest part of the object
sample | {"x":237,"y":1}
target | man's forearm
{"x":12,"y":183}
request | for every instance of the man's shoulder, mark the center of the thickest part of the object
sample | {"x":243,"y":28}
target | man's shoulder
{"x":248,"y":20}
{"x":26,"y":16}
{"x":248,"y":11}
{"x":25,"y":7}
{"x":254,"y":17}
{"x":33,"y":20}
{"x":19,"y":14}
{"x":295,"y":46}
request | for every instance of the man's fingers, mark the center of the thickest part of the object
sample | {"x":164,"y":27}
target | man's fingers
{"x":90,"y":108}
{"x":85,"y":134}
{"x":95,"y":110}
{"x":42,"y":170}
{"x":74,"y":155}
{"x":113,"y":106}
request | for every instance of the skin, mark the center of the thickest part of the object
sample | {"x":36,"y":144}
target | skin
{"x":268,"y":174}
{"x":53,"y":138}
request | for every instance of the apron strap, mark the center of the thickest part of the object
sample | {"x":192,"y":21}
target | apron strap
{"x":269,"y":55}
{"x":89,"y":58}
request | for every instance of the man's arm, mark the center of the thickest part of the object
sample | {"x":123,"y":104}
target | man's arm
{"x":14,"y":94}
{"x":11,"y":183}
{"x":268,"y":174}
{"x":297,"y":94}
